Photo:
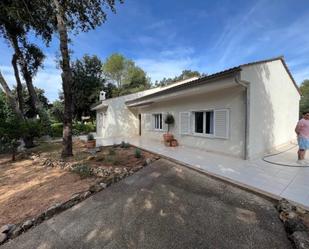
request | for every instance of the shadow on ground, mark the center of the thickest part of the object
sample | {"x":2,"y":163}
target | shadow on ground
{"x":163,"y":206}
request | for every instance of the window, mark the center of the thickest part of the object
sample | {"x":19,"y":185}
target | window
{"x":158,"y":121}
{"x":204,"y":122}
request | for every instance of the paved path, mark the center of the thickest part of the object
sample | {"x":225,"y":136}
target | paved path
{"x":273,"y":180}
{"x":164,"y":206}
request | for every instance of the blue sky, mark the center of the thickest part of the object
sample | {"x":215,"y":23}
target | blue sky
{"x":165,"y":37}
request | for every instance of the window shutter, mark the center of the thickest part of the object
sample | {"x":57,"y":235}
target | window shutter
{"x":164,"y":125}
{"x":222,"y":123}
{"x":147,"y":121}
{"x":184,"y":122}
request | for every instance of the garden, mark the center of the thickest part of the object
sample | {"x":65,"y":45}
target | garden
{"x":40,"y":183}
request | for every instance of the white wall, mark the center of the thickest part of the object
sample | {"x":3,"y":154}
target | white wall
{"x":231,"y":98}
{"x":119,"y":120}
{"x":274,"y":106}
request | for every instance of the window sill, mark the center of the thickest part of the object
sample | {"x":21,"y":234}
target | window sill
{"x":205,"y":136}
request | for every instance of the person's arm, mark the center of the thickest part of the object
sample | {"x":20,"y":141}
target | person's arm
{"x":297,"y":128}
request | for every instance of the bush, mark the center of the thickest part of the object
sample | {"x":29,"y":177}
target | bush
{"x":138,"y":153}
{"x":82,"y":170}
{"x":83,"y":128}
{"x":90,"y":137}
{"x":56,"y":130}
{"x":124,"y":145}
{"x":112,"y":151}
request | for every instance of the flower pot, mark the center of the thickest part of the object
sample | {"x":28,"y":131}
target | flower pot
{"x":174,"y":143}
{"x":91,"y":144}
{"x":168,"y":137}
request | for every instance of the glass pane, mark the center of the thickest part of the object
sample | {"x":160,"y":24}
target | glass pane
{"x":160,"y":121}
{"x":198,"y":122}
{"x":209,"y":126}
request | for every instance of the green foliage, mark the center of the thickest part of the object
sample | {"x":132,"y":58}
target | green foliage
{"x":138,"y":153}
{"x":169,"y":120}
{"x":304,"y":101}
{"x":83,"y":170}
{"x":29,"y":111}
{"x":112,"y":151}
{"x":90,"y":137}
{"x":56,"y":129}
{"x":185,"y":74}
{"x":123,"y":72}
{"x":88,"y":80}
{"x":78,"y":129}
{"x":56,"y":111}
{"x":124,"y":145}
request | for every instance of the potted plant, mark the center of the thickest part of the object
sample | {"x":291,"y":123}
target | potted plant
{"x":91,"y":143}
{"x":169,"y":120}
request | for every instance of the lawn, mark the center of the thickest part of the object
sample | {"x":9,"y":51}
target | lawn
{"x":30,"y":185}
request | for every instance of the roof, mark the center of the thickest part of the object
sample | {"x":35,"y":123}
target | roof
{"x":193,"y":83}
{"x":215,"y":76}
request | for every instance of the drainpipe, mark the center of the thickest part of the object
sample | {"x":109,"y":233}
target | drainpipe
{"x":246,"y":85}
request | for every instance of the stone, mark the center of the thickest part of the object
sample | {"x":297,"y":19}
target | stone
{"x":52,"y":210}
{"x":148,"y":161}
{"x":75,"y":197}
{"x":7,"y":228}
{"x":39,"y":219}
{"x":17,"y":231}
{"x":287,"y":215}
{"x":95,"y":188}
{"x":89,"y":158}
{"x":86,"y":194}
{"x":26,"y":225}
{"x":284,"y":205}
{"x":3,"y":237}
{"x":103,"y":184}
{"x":300,"y":240}
{"x":295,"y":225}
{"x":300,"y":210}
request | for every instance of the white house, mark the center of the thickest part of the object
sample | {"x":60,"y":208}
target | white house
{"x":244,"y":111}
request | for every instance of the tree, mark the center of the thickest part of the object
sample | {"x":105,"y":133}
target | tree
{"x":81,"y":15}
{"x":114,"y":69}
{"x":185,"y":74}
{"x":57,"y":110}
{"x":28,"y":109}
{"x":304,"y":101}
{"x":123,"y":72}
{"x":14,"y":29}
{"x":88,"y":80}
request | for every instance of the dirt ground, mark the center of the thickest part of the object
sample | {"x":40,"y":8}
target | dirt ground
{"x":27,"y":189}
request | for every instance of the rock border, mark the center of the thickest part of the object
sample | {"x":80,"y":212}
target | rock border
{"x":11,"y":231}
{"x":296,"y":229}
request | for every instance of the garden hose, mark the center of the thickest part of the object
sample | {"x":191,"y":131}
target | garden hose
{"x":282,"y":164}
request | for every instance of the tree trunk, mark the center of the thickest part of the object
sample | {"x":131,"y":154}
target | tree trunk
{"x":35,"y":104}
{"x":19,"y":87}
{"x":67,"y":81}
{"x":12,"y":101}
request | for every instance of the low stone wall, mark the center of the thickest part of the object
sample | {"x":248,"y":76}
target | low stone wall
{"x":109,"y":176}
{"x":293,"y":219}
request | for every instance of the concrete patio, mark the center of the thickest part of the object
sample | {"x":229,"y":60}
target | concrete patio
{"x":267,"y":178}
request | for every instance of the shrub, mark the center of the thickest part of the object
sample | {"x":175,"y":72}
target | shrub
{"x":56,"y":130}
{"x":124,"y":145}
{"x":112,"y":151}
{"x":138,"y":153}
{"x":169,"y":120}
{"x":90,"y":137}
{"x":82,"y":170}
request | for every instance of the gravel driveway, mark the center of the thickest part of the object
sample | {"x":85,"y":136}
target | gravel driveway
{"x":165,"y":205}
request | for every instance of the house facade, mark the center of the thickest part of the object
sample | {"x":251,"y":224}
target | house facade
{"x":245,"y":111}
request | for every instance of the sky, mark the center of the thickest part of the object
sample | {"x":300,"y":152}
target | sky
{"x":165,"y":37}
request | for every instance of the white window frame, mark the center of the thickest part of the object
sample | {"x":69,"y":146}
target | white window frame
{"x":154,"y":115}
{"x":203,"y":134}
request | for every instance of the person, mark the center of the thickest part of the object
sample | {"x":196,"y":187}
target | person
{"x":302,"y":131}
